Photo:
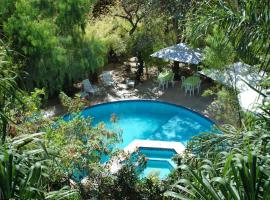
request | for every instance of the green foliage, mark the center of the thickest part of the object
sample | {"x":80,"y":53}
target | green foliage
{"x":72,"y":15}
{"x":24,"y":169}
{"x":72,"y":105}
{"x":153,"y":188}
{"x":237,"y":177}
{"x":79,"y":145}
{"x":63,"y":193}
{"x":231,"y":165}
{"x":219,"y":51}
{"x":124,"y":184}
{"x":50,"y":36}
{"x":245,"y":23}
{"x":133,"y":12}
{"x":17,"y":178}
{"x":102,"y":7}
{"x":225,"y":105}
{"x":109,"y":30}
{"x":8,"y":88}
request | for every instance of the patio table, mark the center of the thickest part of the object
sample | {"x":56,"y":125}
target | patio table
{"x":163,"y":75}
{"x":191,"y":83}
{"x":192,"y":80}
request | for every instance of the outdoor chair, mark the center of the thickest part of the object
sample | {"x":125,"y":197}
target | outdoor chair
{"x":189,"y":89}
{"x":182,"y":80}
{"x":88,"y":88}
{"x":107,"y":78}
{"x":130,"y":83}
{"x":171,"y":80}
{"x":199,"y":86}
{"x":162,"y":83}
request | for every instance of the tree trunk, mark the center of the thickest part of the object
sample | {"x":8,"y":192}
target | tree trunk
{"x":176,"y":70}
{"x":147,"y":72}
{"x":140,"y":68}
{"x":132,"y":30}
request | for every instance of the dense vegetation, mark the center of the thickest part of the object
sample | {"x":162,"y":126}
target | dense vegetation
{"x":51,"y":44}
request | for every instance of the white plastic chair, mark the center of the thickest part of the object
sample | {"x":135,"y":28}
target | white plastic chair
{"x":130,"y":83}
{"x":189,"y":88}
{"x":182,"y":80}
{"x":107,"y":78}
{"x":87,"y":87}
{"x":172,"y":80}
{"x":162,"y":83}
{"x":198,"y":87}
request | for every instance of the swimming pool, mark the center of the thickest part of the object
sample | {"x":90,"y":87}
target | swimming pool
{"x":158,"y":161}
{"x":150,"y":120}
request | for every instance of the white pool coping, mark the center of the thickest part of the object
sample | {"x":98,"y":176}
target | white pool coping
{"x":135,"y":144}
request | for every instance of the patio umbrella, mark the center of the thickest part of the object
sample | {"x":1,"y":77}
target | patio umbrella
{"x":181,"y":53}
{"x":244,"y":78}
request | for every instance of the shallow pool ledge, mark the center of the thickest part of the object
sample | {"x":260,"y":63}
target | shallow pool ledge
{"x":115,"y":163}
{"x":135,"y":144}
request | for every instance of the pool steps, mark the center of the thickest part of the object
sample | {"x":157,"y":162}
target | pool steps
{"x":115,"y":163}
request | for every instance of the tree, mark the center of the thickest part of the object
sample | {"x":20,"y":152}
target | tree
{"x":23,"y":157}
{"x":102,"y":7}
{"x":50,"y":36}
{"x":245,"y":24}
{"x":175,"y":13}
{"x":8,"y":87}
{"x":141,"y":46}
{"x":133,"y":12}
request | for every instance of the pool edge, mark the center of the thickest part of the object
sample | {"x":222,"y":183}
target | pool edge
{"x":151,"y":100}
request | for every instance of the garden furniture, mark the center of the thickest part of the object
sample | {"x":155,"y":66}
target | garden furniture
{"x":107,"y":78}
{"x":164,"y":78}
{"x":191,"y":83}
{"x":162,"y":81}
{"x":189,"y":88}
{"x":88,"y":88}
{"x":182,"y":81}
{"x":130,"y":83}
{"x":171,"y":78}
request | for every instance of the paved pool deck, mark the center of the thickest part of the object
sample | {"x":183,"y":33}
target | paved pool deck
{"x":147,"y":89}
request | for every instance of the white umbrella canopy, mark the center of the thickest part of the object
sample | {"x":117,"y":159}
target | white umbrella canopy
{"x":181,"y":53}
{"x":233,"y":73}
{"x":244,"y":78}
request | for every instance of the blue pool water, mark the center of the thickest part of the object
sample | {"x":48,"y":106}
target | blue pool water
{"x":159,"y":161}
{"x":150,"y":120}
{"x":157,"y":153}
{"x":160,"y":168}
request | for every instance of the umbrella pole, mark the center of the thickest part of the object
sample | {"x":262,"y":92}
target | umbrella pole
{"x":175,"y":70}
